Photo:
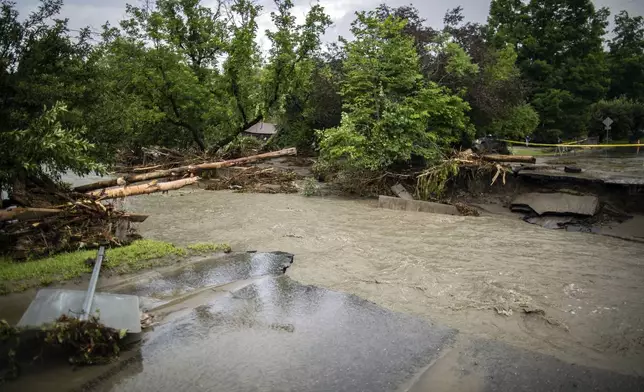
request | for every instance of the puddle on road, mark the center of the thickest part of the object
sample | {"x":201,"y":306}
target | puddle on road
{"x":209,"y":272}
{"x":243,"y":325}
{"x":275,"y":335}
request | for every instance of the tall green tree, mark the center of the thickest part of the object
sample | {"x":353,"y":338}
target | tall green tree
{"x":389,"y":112}
{"x":198,"y":70}
{"x":626,"y":57}
{"x":43,"y":91}
{"x":560,"y":53}
{"x":462,"y":58}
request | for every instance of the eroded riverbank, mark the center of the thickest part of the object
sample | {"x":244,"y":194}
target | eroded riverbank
{"x":573,"y":295}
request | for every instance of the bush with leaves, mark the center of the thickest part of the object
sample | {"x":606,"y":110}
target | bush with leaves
{"x":45,"y":149}
{"x":519,"y":122}
{"x":390,"y":113}
{"x":627,"y":114}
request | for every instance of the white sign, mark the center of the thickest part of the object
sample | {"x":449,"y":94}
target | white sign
{"x":608,"y":122}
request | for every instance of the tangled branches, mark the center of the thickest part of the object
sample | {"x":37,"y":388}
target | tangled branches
{"x":86,"y":342}
{"x":77,"y":224}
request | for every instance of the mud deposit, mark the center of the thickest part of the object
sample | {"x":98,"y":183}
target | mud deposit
{"x":576,"y":296}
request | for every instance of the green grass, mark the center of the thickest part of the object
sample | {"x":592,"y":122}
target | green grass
{"x":532,"y":151}
{"x":142,"y":254}
{"x":205,"y":247}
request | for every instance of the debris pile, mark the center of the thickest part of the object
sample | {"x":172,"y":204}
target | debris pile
{"x":49,"y":220}
{"x":258,"y":180}
{"x":86,"y":342}
{"x":84,"y":223}
{"x":83,"y":342}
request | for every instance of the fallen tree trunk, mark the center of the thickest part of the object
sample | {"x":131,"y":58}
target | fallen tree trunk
{"x":509,"y":158}
{"x":113,"y":193}
{"x":27,"y":213}
{"x":146,"y":169}
{"x":96,"y":185}
{"x":185,"y":169}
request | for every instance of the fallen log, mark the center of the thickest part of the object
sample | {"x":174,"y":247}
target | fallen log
{"x":509,"y":158}
{"x":27,"y":213}
{"x":143,"y":189}
{"x":146,"y":169}
{"x":96,"y":185}
{"x":208,"y":166}
{"x":184,"y":169}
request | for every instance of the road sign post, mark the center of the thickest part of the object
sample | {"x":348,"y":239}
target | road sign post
{"x":607,"y":123}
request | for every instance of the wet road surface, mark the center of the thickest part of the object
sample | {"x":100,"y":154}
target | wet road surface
{"x":239,"y":323}
{"x":278,"y":335}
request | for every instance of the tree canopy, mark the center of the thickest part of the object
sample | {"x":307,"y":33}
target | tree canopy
{"x":179,"y":73}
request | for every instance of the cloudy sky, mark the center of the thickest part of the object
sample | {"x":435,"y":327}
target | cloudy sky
{"x":95,"y":13}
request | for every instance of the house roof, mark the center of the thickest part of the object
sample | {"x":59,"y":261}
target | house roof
{"x":262,"y":128}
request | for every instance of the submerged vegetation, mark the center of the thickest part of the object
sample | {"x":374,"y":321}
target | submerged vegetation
{"x":83,"y":342}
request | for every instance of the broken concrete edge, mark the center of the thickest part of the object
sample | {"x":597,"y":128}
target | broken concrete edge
{"x":401,"y":192}
{"x":394,"y":203}
{"x":556,"y":203}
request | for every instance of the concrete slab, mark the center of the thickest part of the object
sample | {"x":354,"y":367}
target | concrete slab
{"x":556,"y":203}
{"x":394,"y":203}
{"x":401,"y":192}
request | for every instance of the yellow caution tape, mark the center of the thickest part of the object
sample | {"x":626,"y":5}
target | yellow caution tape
{"x":530,"y":144}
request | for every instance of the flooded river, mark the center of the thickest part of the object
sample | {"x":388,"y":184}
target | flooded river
{"x":576,"y":296}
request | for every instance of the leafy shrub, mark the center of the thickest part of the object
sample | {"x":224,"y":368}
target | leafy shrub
{"x":519,"y":122}
{"x":311,"y":187}
{"x":45,"y":149}
{"x":627,"y":114}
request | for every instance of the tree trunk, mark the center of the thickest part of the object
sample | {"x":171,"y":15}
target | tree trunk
{"x":27,"y":213}
{"x":186,"y":169}
{"x":197,"y":135}
{"x":509,"y":158}
{"x":143,"y":189}
{"x":96,"y":185}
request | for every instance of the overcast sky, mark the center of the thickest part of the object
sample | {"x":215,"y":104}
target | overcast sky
{"x":95,"y":13}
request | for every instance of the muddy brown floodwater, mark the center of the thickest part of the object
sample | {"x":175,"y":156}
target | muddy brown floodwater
{"x":576,"y":296}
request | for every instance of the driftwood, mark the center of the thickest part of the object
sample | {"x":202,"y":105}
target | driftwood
{"x":25,"y":214}
{"x":184,"y":169}
{"x":146,"y":169}
{"x":509,"y":158}
{"x":113,"y":193}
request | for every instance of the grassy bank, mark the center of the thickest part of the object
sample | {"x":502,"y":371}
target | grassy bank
{"x":533,"y":151}
{"x":142,"y":254}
